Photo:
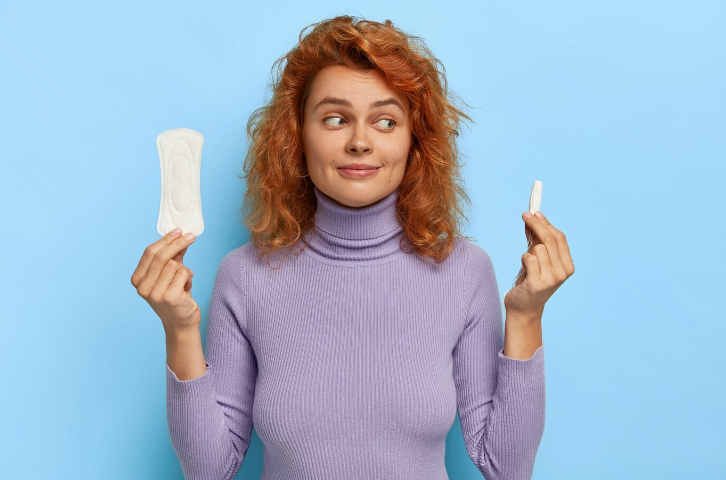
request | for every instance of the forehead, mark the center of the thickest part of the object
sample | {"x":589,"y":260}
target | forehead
{"x":358,"y":86}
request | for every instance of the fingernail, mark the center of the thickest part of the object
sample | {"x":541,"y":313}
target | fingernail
{"x":189,"y":236}
{"x":527,"y":215}
{"x":175,"y":232}
{"x":538,"y":214}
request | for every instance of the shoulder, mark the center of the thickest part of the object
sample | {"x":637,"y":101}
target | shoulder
{"x":234,"y":265}
{"x":478,"y":269}
{"x":239,"y":255}
{"x":476,"y":259}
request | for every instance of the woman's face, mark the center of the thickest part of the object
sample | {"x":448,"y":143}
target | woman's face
{"x":355,"y":116}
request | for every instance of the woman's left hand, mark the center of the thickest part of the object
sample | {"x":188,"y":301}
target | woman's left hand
{"x":545,"y":266}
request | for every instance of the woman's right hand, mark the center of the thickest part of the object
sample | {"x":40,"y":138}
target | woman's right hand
{"x":165,"y":283}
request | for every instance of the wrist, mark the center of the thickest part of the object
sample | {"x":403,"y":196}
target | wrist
{"x":524,"y":318}
{"x":182,"y":334}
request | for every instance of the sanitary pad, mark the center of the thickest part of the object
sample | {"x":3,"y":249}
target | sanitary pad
{"x":180,"y":154}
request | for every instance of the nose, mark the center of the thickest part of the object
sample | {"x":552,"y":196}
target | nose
{"x":359,"y":141}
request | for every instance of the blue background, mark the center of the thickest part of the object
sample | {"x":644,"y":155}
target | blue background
{"x":617,"y":107}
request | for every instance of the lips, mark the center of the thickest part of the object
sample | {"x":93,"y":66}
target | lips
{"x":358,"y":172}
{"x":358,"y":166}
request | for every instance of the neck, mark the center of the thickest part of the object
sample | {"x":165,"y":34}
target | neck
{"x":355,"y":236}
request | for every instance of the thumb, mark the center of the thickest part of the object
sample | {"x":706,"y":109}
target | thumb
{"x":180,"y":256}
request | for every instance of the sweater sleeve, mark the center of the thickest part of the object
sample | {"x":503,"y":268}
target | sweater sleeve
{"x":210,"y":417}
{"x":501,"y":400}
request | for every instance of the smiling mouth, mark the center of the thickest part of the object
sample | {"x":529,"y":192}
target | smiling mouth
{"x":359,"y":167}
{"x":359,"y":172}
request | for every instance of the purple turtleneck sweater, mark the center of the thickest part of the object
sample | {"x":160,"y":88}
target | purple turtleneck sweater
{"x":352,"y":360}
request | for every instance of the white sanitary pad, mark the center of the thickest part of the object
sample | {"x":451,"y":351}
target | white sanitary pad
{"x":180,"y":154}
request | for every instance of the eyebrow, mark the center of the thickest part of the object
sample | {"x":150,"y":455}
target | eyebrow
{"x":346,"y":103}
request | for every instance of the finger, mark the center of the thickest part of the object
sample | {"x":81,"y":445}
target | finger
{"x":169,"y":273}
{"x":180,"y":256}
{"x":530,"y":237}
{"x":547,"y":238}
{"x":149,"y":253}
{"x":163,"y":256}
{"x":545,"y":267}
{"x":564,"y":249}
{"x":531,"y":265}
{"x":179,"y":247}
{"x":521,"y":275}
{"x":179,"y":281}
{"x":188,"y":285}
{"x":557,"y":261}
{"x":167,"y":276}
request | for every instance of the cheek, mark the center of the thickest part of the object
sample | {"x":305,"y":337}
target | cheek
{"x":399,"y":151}
{"x":309,"y":137}
{"x":324,"y":148}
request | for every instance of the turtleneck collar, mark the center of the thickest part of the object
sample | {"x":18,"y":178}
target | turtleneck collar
{"x":355,"y":236}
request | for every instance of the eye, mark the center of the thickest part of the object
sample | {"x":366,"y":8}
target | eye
{"x":393,"y":123}
{"x":326,"y":120}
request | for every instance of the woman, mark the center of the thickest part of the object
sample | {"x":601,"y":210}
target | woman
{"x":353,"y":358}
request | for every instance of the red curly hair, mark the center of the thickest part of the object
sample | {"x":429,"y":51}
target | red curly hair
{"x":280,"y":202}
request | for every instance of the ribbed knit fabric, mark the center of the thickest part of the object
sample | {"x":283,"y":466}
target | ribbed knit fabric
{"x":352,"y":359}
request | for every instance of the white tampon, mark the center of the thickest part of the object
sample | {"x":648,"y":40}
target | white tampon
{"x":535,"y":198}
{"x":180,"y":155}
